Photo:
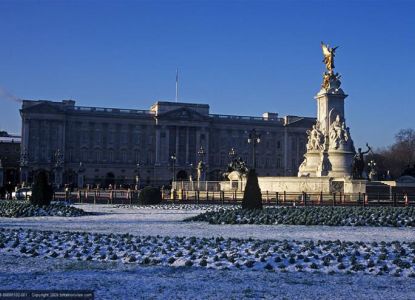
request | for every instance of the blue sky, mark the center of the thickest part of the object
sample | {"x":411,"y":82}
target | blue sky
{"x":241,"y":57}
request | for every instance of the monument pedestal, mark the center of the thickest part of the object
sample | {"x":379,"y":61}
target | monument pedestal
{"x":341,"y":163}
{"x":310,"y":164}
{"x":312,"y":185}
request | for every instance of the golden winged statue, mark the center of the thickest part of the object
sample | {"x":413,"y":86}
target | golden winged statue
{"x":329,"y":54}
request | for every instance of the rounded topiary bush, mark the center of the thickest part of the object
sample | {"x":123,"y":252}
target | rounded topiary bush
{"x":149,"y":195}
{"x":42,"y":192}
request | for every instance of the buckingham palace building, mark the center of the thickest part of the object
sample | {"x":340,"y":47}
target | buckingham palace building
{"x":119,"y":146}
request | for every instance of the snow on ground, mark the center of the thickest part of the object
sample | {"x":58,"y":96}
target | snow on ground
{"x":168,"y":222}
{"x":126,"y":281}
{"x":112,"y":278}
{"x":396,"y":258}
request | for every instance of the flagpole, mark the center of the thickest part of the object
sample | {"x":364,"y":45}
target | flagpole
{"x":177,"y":84}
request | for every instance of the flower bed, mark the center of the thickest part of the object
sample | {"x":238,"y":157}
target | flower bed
{"x":331,"y":216}
{"x":178,"y":206}
{"x":20,"y":209}
{"x":395,"y":258}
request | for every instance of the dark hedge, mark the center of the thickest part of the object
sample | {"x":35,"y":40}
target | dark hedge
{"x":252,"y":195}
{"x":42,"y":191}
{"x":149,"y":195}
{"x":331,"y":216}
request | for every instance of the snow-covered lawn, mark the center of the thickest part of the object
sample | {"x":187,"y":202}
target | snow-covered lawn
{"x":130,"y":253}
{"x":168,"y":222}
{"x":115,"y":280}
{"x":396,"y":258}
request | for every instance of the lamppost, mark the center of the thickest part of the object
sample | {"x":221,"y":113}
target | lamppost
{"x":232,"y":153}
{"x":58,"y":168}
{"x":81,"y":176}
{"x":201,"y":165}
{"x":254,"y":138}
{"x":24,"y":167}
{"x":137,"y":176}
{"x":372,"y":172}
{"x":173,"y":159}
{"x":201,"y":152}
{"x":191,"y":172}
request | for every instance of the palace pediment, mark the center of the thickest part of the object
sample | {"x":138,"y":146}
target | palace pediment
{"x":184,"y":114}
{"x":43,"y":108}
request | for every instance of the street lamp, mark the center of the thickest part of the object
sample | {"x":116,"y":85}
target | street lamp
{"x":137,"y":176}
{"x":232,"y":153}
{"x":173,"y":159}
{"x":191,"y":172}
{"x":254,"y":138}
{"x":372,"y":172}
{"x":201,"y":170}
{"x":201,"y":152}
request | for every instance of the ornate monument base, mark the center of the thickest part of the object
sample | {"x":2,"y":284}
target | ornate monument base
{"x":341,"y":163}
{"x":312,"y":185}
{"x":312,"y":161}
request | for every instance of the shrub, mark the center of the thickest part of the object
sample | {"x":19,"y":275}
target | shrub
{"x":42,"y":192}
{"x":252,"y":195}
{"x":203,"y":263}
{"x":149,"y":195}
{"x":188,"y":263}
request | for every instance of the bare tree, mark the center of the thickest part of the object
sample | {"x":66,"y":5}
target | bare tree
{"x":399,"y":156}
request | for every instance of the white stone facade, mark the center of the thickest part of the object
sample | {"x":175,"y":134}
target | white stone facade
{"x":110,"y":142}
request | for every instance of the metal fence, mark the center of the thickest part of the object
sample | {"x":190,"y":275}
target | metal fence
{"x":235,"y":197}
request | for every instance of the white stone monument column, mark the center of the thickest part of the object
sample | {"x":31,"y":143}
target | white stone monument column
{"x":330,"y":148}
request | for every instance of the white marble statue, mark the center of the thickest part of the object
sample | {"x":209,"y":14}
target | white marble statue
{"x":338,"y":133}
{"x":315,"y":138}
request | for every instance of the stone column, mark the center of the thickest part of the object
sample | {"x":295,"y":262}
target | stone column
{"x":24,"y":147}
{"x":197,"y":143}
{"x":47,"y":138}
{"x":177,"y":144}
{"x":25,"y":135}
{"x":285,"y":151}
{"x":62,"y":129}
{"x":166,"y":153}
{"x":297,"y":154}
{"x":207,"y":146}
{"x":329,"y":105}
{"x":187,"y":146}
{"x":157,"y":160}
